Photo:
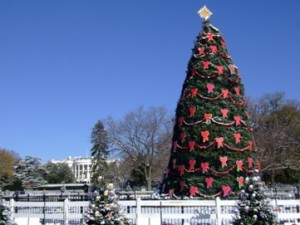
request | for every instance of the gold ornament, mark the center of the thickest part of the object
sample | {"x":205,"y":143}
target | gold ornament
{"x":204,"y":13}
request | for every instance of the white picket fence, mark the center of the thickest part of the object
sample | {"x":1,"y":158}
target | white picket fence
{"x":147,"y":212}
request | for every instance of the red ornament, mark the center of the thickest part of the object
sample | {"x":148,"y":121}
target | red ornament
{"x":180,"y":120}
{"x":207,"y":116}
{"x":193,"y":190}
{"x":210,"y":88}
{"x":237,"y":91}
{"x":232,"y":69}
{"x":204,"y":167}
{"x":174,"y":163}
{"x":201,"y":50}
{"x":251,"y":145}
{"x":171,"y":193}
{"x":239,"y":164}
{"x":193,"y":71}
{"x":250,"y":162}
{"x":258,"y":165}
{"x":205,"y":64}
{"x":223,"y":44}
{"x":237,"y":120}
{"x":220,"y":69}
{"x":223,"y":160}
{"x":213,"y":48}
{"x":226,"y":190}
{"x":194,"y":92}
{"x":224,"y":113}
{"x":182,"y":137}
{"x":174,"y":145}
{"x":181,"y":170}
{"x":225,"y":93}
{"x":209,"y":181}
{"x":241,"y":181}
{"x":219,"y":141}
{"x":247,"y":114}
{"x":205,"y":135}
{"x":182,"y":184}
{"x":210,"y":36}
{"x":192,"y":163}
{"x":191,"y":145}
{"x":237,"y":137}
{"x":192,"y":111}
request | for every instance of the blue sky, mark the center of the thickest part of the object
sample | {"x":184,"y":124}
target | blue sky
{"x":66,"y":64}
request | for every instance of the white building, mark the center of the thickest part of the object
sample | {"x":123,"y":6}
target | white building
{"x":81,"y":167}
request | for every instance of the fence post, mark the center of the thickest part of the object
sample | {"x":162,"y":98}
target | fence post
{"x":218,"y":211}
{"x":138,"y":210}
{"x":12,"y":208}
{"x":66,"y":211}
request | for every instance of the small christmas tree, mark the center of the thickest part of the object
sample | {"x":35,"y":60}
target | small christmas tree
{"x":253,"y":207}
{"x":104,"y":208}
{"x":5,"y":214}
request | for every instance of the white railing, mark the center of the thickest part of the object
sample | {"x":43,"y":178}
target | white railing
{"x":150,"y":212}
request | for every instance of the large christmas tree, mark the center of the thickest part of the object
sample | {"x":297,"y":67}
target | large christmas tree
{"x":213,"y":146}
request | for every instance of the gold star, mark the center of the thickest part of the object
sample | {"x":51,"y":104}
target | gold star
{"x":205,"y":13}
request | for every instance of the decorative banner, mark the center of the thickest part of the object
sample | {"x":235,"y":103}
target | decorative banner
{"x":209,"y":181}
{"x":226,"y":190}
{"x":205,"y":135}
{"x":204,"y":167}
{"x":223,"y":160}
{"x":210,"y":87}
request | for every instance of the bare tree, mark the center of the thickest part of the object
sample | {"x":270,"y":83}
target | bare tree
{"x":276,"y":124}
{"x":143,"y":137}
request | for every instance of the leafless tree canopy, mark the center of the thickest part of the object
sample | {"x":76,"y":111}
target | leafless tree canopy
{"x":143,"y":137}
{"x":276,"y":123}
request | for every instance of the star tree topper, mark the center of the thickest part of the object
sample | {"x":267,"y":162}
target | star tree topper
{"x":204,"y":13}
